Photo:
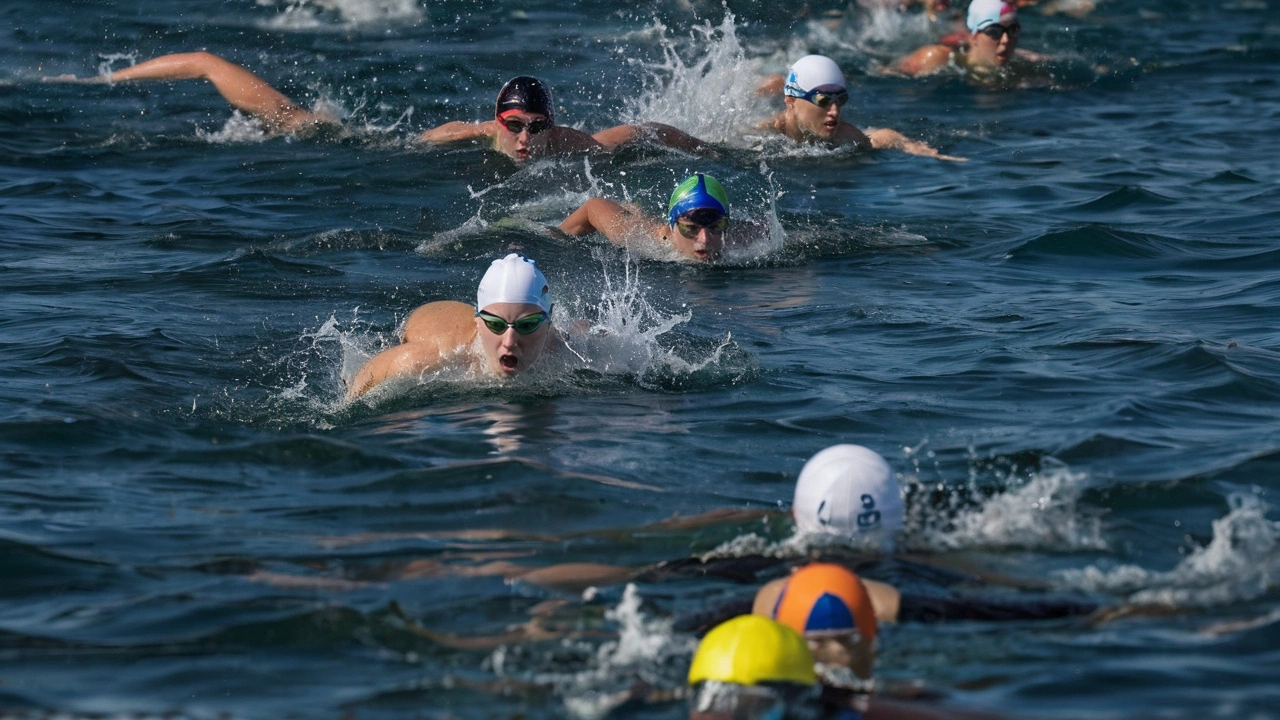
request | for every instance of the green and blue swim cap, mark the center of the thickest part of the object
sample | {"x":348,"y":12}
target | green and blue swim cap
{"x":697,"y":192}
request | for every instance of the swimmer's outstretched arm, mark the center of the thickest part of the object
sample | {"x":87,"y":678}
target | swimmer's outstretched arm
{"x":668,"y":135}
{"x":241,"y":88}
{"x":887,"y":139}
{"x":458,"y":131}
{"x":616,"y":222}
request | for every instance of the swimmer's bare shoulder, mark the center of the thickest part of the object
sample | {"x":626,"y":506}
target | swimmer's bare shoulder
{"x":925,"y":61}
{"x":446,"y":322}
{"x":432,"y":333}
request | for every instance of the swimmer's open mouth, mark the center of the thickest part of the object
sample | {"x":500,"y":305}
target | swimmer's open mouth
{"x":508,"y":362}
{"x":831,"y":124}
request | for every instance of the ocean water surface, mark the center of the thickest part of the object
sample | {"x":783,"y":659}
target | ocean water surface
{"x":1066,"y":347}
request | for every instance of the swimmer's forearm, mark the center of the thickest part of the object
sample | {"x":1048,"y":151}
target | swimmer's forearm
{"x":594,"y":215}
{"x":456,"y":131}
{"x":887,"y":139}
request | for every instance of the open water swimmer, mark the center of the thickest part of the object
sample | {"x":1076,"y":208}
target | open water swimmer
{"x":504,"y":334}
{"x":814,"y":93}
{"x":992,"y":43}
{"x":697,"y":225}
{"x":523,"y":127}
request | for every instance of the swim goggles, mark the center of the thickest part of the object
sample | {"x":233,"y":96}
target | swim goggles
{"x":996,"y":31}
{"x":515,"y":127}
{"x":823,"y":99}
{"x":691,"y":229}
{"x":526,"y":325}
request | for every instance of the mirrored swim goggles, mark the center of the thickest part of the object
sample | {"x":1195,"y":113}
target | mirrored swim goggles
{"x":526,"y":325}
{"x":824,"y":98}
{"x":764,"y":701}
{"x":690,"y":228}
{"x":515,"y":127}
{"x":995,"y":31}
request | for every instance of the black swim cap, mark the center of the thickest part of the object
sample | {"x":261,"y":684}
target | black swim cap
{"x":528,"y":94}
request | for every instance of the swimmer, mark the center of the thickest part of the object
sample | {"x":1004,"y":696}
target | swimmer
{"x":523,"y":127}
{"x":832,"y":608}
{"x":992,"y":43}
{"x":503,"y":335}
{"x":814,"y":92}
{"x":846,"y":499}
{"x":697,"y":224}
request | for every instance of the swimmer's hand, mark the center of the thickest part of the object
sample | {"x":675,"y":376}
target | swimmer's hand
{"x":70,"y":79}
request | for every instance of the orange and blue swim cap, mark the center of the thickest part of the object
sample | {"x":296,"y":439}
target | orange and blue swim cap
{"x":823,"y":599}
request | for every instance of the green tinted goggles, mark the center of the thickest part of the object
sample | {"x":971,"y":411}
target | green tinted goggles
{"x":526,"y":325}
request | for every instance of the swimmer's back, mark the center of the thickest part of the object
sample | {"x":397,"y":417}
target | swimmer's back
{"x":448,"y":324}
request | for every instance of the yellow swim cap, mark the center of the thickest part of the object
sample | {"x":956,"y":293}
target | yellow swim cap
{"x":750,"y":649}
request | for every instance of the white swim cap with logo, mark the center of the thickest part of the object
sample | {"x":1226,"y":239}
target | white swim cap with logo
{"x":990,"y":12}
{"x":813,"y":72}
{"x":513,"y":279}
{"x":848,"y":490}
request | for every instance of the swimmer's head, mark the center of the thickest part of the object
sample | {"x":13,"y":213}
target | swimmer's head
{"x":814,"y":73}
{"x":513,"y":314}
{"x":814,"y":93}
{"x":523,"y":112}
{"x":752,"y":667}
{"x":527,"y":94}
{"x":849,"y":491}
{"x":994,"y":26}
{"x":829,"y":605}
{"x":697,"y":217}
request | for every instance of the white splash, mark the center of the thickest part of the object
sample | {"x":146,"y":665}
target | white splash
{"x":643,"y":649}
{"x":315,"y":14}
{"x":712,"y":96}
{"x":239,"y":128}
{"x":1042,"y":513}
{"x":1240,"y":563}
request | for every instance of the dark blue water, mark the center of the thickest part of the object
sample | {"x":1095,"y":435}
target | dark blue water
{"x":1066,"y":346}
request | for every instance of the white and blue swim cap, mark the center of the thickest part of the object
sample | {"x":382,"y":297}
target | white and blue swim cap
{"x":990,"y":12}
{"x":813,"y":72}
{"x":850,"y":491}
{"x":697,"y":192}
{"x":513,"y":279}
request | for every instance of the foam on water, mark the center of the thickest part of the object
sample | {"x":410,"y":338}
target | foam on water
{"x":1241,"y":562}
{"x":1041,"y":512}
{"x":320,"y":14}
{"x":239,"y":128}
{"x":711,"y":96}
{"x":646,"y":649}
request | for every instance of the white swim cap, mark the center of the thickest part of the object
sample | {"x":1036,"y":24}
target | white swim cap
{"x":513,"y":279}
{"x":990,"y":12}
{"x":813,"y":72}
{"x":848,"y":490}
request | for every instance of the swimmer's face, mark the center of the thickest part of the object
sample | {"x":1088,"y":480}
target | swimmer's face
{"x":849,"y":651}
{"x":508,"y":353}
{"x":815,"y":120}
{"x":696,"y":238}
{"x":522,"y":134}
{"x":994,"y":44}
